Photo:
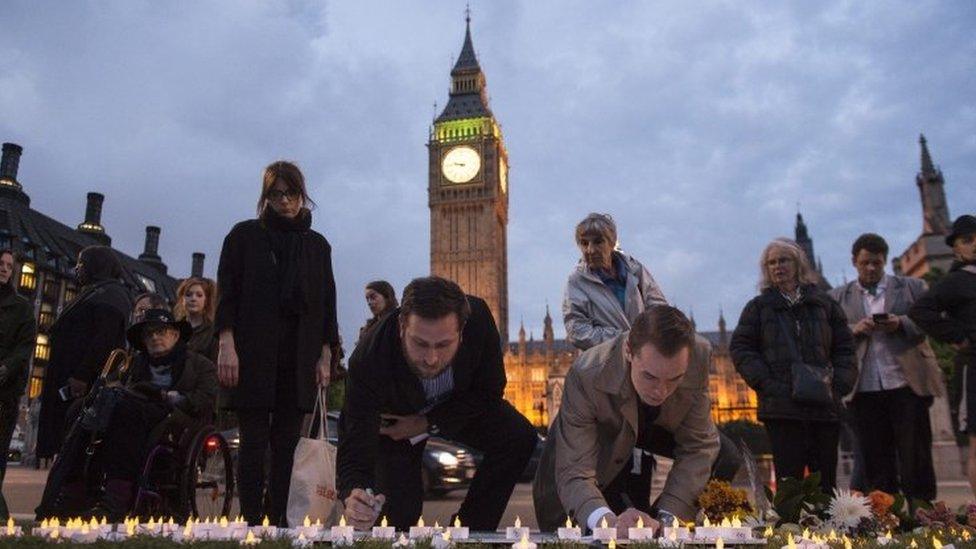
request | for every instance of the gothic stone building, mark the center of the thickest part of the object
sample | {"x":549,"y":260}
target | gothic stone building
{"x":47,"y":251}
{"x":929,"y":251}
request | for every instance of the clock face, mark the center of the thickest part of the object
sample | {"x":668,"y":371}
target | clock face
{"x":461,"y":164}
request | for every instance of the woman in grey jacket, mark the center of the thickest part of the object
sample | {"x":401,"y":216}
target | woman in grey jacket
{"x":607,"y":289}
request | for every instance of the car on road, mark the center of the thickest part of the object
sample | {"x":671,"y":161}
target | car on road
{"x":447,"y":466}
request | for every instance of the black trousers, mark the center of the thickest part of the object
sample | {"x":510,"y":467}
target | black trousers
{"x":799,"y":445}
{"x":896,"y":438}
{"x":123,"y":449}
{"x":8,"y":421}
{"x":632,"y":486}
{"x":262,"y":429}
{"x":501,"y":434}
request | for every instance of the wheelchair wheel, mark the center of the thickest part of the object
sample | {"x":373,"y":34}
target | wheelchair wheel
{"x":209,"y":482}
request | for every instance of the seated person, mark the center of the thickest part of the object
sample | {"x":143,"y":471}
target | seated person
{"x":629,"y":393}
{"x":165,"y":382}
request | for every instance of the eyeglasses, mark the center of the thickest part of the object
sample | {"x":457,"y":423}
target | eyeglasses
{"x":291,"y":194}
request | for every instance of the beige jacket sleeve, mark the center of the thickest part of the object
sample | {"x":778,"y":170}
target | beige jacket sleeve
{"x":696,"y":444}
{"x":576,"y":452}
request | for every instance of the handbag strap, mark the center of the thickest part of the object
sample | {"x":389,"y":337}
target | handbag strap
{"x":790,"y":337}
{"x":320,"y":407}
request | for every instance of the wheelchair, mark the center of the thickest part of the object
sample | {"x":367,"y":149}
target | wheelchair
{"x":188,"y":472}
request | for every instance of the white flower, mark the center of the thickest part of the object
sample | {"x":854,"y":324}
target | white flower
{"x":846,"y":509}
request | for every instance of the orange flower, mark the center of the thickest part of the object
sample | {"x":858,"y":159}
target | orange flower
{"x":880,"y":502}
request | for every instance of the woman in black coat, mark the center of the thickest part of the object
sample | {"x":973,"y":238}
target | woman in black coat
{"x":81,"y":338}
{"x":276,"y":320}
{"x":17,"y":331}
{"x":790,"y":307}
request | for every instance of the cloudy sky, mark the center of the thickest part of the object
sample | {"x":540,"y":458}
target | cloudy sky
{"x":700,"y":126}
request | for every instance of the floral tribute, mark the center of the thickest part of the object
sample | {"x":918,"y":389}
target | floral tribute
{"x":720,"y":500}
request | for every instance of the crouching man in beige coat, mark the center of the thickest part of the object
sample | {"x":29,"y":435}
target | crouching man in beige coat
{"x":623,"y":395}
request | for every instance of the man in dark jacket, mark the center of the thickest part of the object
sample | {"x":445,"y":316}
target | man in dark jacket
{"x":948,"y":313}
{"x":432,"y":367}
{"x":17,"y":331}
{"x":84,"y":334}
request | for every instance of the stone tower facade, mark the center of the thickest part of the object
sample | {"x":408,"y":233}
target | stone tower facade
{"x":929,"y":251}
{"x":468,"y":190}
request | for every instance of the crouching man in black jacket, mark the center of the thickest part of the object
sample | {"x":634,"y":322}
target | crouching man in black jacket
{"x":432,"y":367}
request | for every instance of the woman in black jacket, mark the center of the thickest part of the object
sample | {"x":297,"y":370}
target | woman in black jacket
{"x":792,"y":316}
{"x":17,"y":331}
{"x":276,"y":320}
{"x":381,"y":299}
{"x":81,"y":338}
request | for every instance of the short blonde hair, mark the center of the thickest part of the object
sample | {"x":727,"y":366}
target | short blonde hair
{"x":209,"y":288}
{"x":597,"y":224}
{"x":804,"y":272}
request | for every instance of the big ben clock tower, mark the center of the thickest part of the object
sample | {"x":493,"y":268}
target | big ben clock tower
{"x":468,"y":190}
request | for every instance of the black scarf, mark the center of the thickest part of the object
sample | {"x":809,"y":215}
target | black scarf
{"x":286,"y":237}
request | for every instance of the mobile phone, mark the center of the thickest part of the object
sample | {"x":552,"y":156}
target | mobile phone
{"x":65,"y":393}
{"x":879,"y":317}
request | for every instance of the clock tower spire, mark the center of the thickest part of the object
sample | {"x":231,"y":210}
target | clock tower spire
{"x":468,"y":189}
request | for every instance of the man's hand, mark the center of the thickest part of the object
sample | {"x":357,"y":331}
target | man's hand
{"x":403,"y":427}
{"x":78,"y":387}
{"x":628,"y":519}
{"x":228,"y":365}
{"x":890,"y":324}
{"x":362,"y":509}
{"x":864,"y":327}
{"x":323,"y":368}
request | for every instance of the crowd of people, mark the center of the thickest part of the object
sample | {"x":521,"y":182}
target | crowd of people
{"x":263,"y":341}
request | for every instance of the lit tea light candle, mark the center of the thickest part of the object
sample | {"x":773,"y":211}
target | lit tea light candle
{"x":342,"y":534}
{"x":250,"y":539}
{"x":301,"y":541}
{"x":518,"y":531}
{"x":457,"y":531}
{"x":309,"y":530}
{"x":441,"y":540}
{"x":265,"y":529}
{"x":569,"y":532}
{"x":421,"y":531}
{"x":11,"y":530}
{"x":524,"y":542}
{"x":384,"y":530}
{"x":676,"y":532}
{"x":640,"y":533}
{"x":603,"y":532}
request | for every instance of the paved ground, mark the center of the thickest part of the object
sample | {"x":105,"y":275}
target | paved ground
{"x":23,"y":487}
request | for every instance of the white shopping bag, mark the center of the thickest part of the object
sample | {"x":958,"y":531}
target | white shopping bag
{"x":313,"y":488}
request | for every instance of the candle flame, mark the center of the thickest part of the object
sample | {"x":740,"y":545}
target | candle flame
{"x":725,"y":523}
{"x":675,"y":523}
{"x":44,"y":523}
{"x":437,"y":525}
{"x":318,"y":522}
{"x":612,"y":544}
{"x":913,"y":544}
{"x":936,"y":543}
{"x":307,"y":522}
{"x":188,"y":529}
{"x":250,"y":539}
{"x":806,"y":533}
{"x":446,"y":535}
{"x":768,"y":533}
{"x":518,"y":522}
{"x":888,"y":534}
{"x":790,"y":542}
{"x":130,"y":529}
{"x":55,"y":534}
{"x":706,"y":523}
{"x":736,"y":523}
{"x":342,"y":521}
{"x":420,"y":522}
{"x":832,"y":536}
{"x":104,"y":520}
{"x":457,"y":521}
{"x":847,"y":543}
{"x":603,"y":522}
{"x":640,"y":522}
{"x":383,"y":522}
{"x":266,"y":522}
{"x":719,"y":544}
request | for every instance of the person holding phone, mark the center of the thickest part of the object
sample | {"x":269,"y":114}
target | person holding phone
{"x":898,"y":374}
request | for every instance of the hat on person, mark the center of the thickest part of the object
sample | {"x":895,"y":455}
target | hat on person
{"x":153,"y":317}
{"x":964,"y":224}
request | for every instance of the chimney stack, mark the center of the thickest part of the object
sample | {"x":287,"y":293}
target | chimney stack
{"x":197,"y":269}
{"x":9,"y":163}
{"x":92,"y":226}
{"x":150,"y":254}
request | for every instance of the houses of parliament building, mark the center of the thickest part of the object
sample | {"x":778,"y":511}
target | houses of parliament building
{"x":468,"y":190}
